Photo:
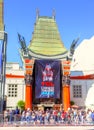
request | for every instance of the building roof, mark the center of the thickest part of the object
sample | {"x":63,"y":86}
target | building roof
{"x":46,"y":39}
{"x":83,"y":61}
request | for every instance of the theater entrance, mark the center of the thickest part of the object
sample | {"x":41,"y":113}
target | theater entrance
{"x":47,"y":108}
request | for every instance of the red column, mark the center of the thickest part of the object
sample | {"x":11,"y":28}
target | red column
{"x":65,"y":85}
{"x":28,"y":97}
{"x":66,"y":97}
{"x":29,"y":64}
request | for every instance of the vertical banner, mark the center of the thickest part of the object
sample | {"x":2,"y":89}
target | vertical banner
{"x":47,"y":75}
{"x":1,"y":15}
{"x":0,"y":59}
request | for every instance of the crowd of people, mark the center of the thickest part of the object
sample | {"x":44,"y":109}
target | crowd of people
{"x":50,"y":116}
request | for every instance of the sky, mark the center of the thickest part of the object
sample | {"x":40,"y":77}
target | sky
{"x":74,"y":18}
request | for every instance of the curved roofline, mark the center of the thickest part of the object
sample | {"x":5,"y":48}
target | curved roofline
{"x":59,"y":56}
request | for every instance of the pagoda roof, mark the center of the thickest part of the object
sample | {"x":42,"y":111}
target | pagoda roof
{"x":46,"y":39}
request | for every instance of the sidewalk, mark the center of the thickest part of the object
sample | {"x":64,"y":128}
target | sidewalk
{"x":51,"y":127}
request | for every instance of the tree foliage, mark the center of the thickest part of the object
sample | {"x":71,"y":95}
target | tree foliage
{"x":72,"y":103}
{"x":21,"y":104}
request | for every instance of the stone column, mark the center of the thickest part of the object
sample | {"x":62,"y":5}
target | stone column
{"x":29,"y":65}
{"x":66,"y":84}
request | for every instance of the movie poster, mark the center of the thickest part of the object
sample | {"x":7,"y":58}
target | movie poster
{"x":47,"y":79}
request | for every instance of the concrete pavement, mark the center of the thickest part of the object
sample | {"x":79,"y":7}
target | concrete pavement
{"x":49,"y":128}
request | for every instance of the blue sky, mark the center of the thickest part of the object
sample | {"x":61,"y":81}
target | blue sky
{"x":74,"y":18}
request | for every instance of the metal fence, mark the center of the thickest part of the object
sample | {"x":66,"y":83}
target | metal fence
{"x":16,"y":120}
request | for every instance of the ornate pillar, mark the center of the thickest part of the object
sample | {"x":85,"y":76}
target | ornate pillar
{"x":29,"y":64}
{"x":66,"y":84}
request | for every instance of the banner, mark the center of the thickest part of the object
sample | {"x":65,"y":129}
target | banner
{"x":47,"y":79}
{"x":0,"y":59}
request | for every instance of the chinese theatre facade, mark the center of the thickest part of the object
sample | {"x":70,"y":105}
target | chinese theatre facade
{"x":47,"y":67}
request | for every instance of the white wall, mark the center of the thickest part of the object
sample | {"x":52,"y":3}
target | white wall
{"x":14,"y":69}
{"x":86,"y":85}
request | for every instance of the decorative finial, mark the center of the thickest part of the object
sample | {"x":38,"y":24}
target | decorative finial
{"x":53,"y":14}
{"x":37,"y":13}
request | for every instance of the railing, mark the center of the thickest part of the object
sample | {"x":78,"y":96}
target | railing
{"x":16,"y":120}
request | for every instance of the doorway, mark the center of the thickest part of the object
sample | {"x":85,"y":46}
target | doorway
{"x":47,"y":108}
